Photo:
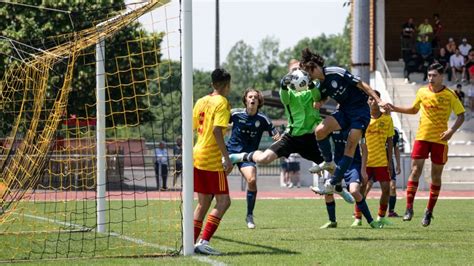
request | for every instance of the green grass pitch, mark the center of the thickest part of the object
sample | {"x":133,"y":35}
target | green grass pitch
{"x":288,"y":233}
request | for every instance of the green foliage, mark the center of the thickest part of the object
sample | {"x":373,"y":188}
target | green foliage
{"x":36,"y":28}
{"x":262,"y":68}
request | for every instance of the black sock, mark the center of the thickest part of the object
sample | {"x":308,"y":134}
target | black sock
{"x":248,"y":157}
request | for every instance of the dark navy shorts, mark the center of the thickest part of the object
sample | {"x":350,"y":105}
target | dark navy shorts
{"x":352,"y":175}
{"x":353,"y":117}
{"x":245,"y":164}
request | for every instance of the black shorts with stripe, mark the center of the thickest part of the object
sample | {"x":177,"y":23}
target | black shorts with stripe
{"x":306,"y":145}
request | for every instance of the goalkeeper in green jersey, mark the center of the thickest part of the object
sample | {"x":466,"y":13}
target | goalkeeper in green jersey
{"x":302,"y":111}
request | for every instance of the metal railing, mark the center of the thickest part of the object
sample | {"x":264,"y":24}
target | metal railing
{"x":391,"y":87}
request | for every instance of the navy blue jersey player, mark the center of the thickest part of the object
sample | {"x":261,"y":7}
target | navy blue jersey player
{"x":248,"y":126}
{"x":353,"y":113}
{"x":355,"y":179}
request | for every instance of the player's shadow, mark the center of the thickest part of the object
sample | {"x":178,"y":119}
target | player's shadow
{"x":268,"y":249}
{"x":361,"y":238}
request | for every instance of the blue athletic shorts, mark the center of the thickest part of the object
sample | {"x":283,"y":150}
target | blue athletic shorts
{"x":353,"y":117}
{"x":245,"y":164}
{"x":352,"y":175}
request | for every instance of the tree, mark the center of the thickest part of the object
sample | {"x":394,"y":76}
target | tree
{"x":44,"y":29}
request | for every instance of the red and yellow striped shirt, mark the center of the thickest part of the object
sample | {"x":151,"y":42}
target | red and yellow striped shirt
{"x":435,"y":111}
{"x":209,"y":111}
{"x":376,"y":136}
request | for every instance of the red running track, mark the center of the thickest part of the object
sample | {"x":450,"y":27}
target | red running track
{"x":295,"y":193}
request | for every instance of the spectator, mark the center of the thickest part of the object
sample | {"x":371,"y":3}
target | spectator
{"x":424,"y":48}
{"x":470,"y":95}
{"x":424,"y":29}
{"x":464,"y":47}
{"x":460,"y":93}
{"x":161,"y":165}
{"x":456,"y":61}
{"x":284,"y":172}
{"x":443,"y":59}
{"x":294,"y":170}
{"x":177,"y":153}
{"x":450,"y":47}
{"x":469,"y":66}
{"x":412,"y":64}
{"x":437,"y":31}
{"x":408,"y":34}
{"x":426,"y":52}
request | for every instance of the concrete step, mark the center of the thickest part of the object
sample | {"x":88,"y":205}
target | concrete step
{"x":391,"y":64}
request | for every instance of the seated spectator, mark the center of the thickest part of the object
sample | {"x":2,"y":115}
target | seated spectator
{"x":460,"y":93}
{"x":470,"y":94}
{"x":464,"y":48}
{"x":469,"y":65}
{"x":456,"y":61}
{"x":413,"y":63}
{"x":437,"y":31}
{"x":443,"y":59}
{"x":424,"y":29}
{"x":408,"y":35}
{"x":450,"y":47}
{"x":424,"y":48}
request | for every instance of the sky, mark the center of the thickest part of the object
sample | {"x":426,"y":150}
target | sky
{"x":248,"y":20}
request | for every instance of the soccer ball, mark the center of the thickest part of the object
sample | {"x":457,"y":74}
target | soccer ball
{"x":300,"y":80}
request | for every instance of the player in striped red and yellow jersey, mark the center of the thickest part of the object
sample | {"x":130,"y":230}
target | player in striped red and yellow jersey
{"x":378,"y":136}
{"x":211,"y":115}
{"x":436,"y":103}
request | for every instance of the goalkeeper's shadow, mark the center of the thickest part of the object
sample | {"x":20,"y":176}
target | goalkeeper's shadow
{"x":269,"y":250}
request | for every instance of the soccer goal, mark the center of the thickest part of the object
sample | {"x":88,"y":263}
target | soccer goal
{"x":91,"y":113}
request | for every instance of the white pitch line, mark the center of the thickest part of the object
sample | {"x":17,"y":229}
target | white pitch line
{"x":123,"y":237}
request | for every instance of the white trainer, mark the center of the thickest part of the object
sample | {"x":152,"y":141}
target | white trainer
{"x":202,"y":247}
{"x":250,"y":222}
{"x":318,"y":190}
{"x":328,"y":166}
{"x":236,"y":157}
{"x":328,"y":187}
{"x":346,"y":196}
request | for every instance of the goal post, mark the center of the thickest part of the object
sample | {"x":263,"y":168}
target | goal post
{"x":92,"y":115}
{"x":187,"y":103}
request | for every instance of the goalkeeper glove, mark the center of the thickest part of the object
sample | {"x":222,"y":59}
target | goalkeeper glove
{"x":313,"y":84}
{"x":285,"y":81}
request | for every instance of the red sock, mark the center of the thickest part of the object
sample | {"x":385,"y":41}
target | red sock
{"x":211,"y":227}
{"x":412,"y":186}
{"x":197,"y":229}
{"x":434,"y":193}
{"x":382,"y":210}
{"x":357,"y":212}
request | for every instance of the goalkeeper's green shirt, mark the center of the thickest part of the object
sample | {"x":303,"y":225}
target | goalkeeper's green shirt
{"x":302,"y":117}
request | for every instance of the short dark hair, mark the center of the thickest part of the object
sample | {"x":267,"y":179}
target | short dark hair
{"x":377,"y":92}
{"x":259,"y":96}
{"x":310,"y":59}
{"x":220,"y":77}
{"x":436,"y":66}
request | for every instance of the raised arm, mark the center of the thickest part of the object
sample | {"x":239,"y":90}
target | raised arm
{"x":369,"y":91}
{"x":405,"y":110}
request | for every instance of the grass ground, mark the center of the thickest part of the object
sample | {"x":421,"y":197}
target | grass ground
{"x":288,"y":233}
